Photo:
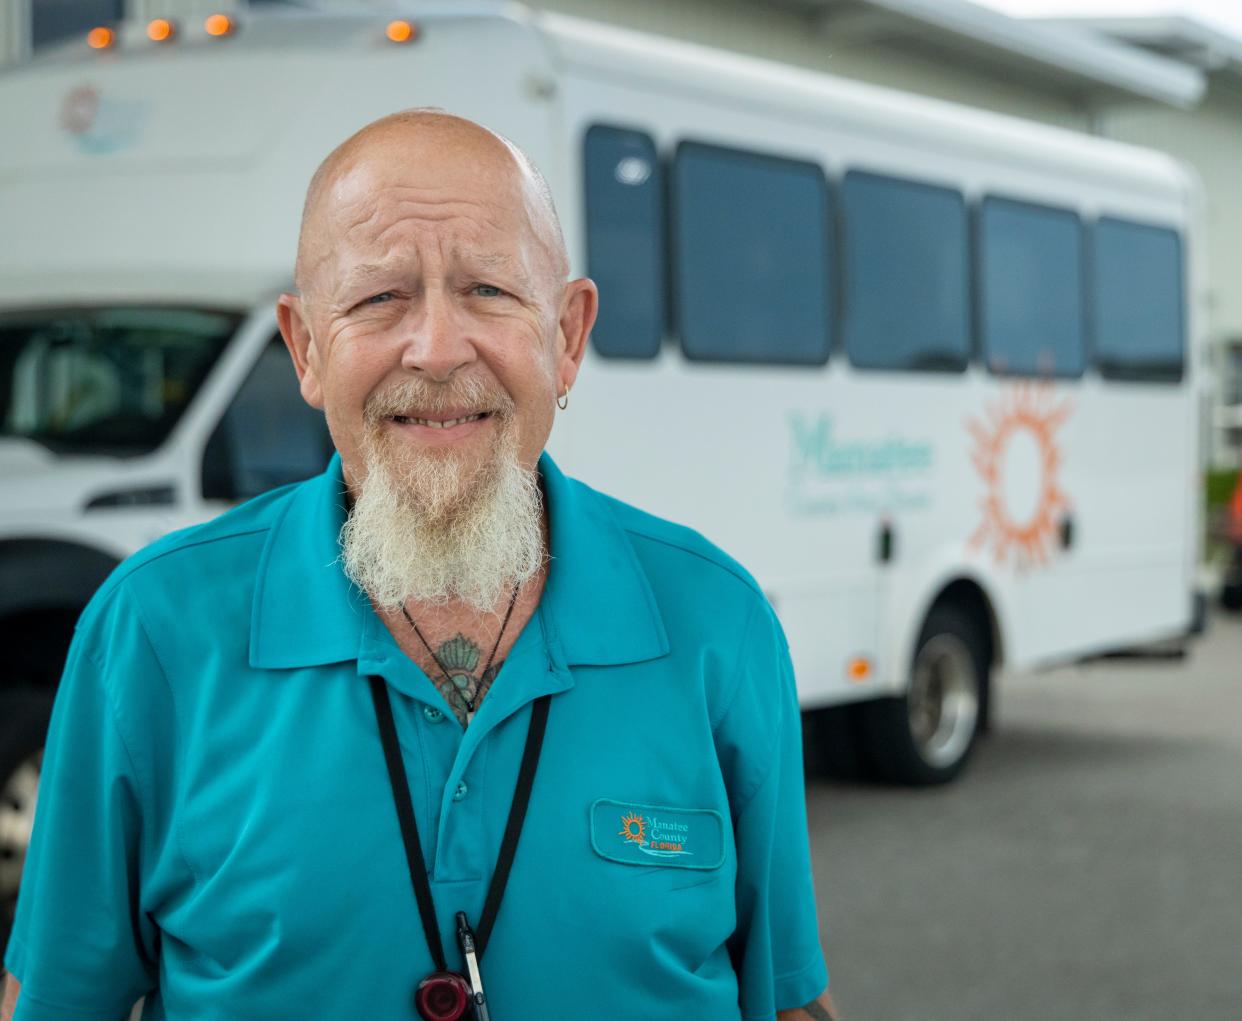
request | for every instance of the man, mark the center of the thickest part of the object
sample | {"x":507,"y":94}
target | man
{"x":285,"y":754}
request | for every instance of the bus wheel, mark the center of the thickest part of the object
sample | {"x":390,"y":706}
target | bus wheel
{"x":926,"y":735}
{"x":832,"y":744}
{"x":24,"y":714}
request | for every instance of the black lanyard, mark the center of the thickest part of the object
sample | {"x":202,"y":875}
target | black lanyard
{"x":409,"y":831}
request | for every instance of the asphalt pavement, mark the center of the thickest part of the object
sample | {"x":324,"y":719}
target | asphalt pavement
{"x":1087,"y":865}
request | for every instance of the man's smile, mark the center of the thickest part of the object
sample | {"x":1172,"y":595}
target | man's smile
{"x":442,"y":427}
{"x":439,"y":422}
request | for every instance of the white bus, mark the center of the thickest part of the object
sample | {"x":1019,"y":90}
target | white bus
{"x":930,"y":373}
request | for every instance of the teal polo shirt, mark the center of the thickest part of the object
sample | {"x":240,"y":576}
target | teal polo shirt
{"x":216,"y":829}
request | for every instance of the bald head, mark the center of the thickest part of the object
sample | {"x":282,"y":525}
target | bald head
{"x":404,"y":149}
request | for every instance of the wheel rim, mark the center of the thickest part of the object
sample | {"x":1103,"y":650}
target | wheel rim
{"x":944,"y":700}
{"x":17,"y":808}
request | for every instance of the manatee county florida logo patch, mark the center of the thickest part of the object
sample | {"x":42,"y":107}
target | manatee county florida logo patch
{"x":653,"y":834}
{"x":667,"y":835}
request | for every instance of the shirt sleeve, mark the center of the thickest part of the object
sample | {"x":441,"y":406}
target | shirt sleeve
{"x":80,"y":946}
{"x":775,"y":948}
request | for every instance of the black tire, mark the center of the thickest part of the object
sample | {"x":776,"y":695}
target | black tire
{"x":832,"y":745}
{"x":1231,"y":588}
{"x":24,"y":713}
{"x":927,"y":738}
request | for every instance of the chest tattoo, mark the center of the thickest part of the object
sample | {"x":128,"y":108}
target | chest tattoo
{"x":460,"y":658}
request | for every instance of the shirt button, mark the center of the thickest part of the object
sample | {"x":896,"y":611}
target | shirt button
{"x":433,"y":714}
{"x":461,"y":790}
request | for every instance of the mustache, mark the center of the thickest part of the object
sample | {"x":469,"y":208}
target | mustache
{"x":471,"y":392}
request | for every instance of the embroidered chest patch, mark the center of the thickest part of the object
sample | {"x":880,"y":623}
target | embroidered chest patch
{"x":688,"y":838}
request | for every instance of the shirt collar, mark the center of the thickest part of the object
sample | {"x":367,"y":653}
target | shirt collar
{"x":597,"y":598}
{"x":306,"y":611}
{"x":597,"y":592}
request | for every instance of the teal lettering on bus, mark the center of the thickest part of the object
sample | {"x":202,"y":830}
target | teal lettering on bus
{"x":816,"y":452}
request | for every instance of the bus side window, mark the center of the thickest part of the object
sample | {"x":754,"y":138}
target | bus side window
{"x":1137,"y":301}
{"x":751,"y":264}
{"x":624,"y":189}
{"x":268,"y":436}
{"x":907,"y":274}
{"x":1031,"y":306}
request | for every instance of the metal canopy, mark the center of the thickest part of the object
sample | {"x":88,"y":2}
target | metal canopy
{"x":1181,"y":38}
{"x":1056,"y":56}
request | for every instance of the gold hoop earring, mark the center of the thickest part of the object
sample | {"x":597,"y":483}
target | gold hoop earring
{"x":563,"y":397}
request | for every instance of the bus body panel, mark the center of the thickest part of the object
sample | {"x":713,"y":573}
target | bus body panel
{"x":192,"y":191}
{"x":1123,"y":452}
{"x":185,"y":187}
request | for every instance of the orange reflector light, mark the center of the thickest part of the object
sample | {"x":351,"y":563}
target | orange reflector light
{"x":160,"y":30}
{"x":858,"y":668}
{"x":402,"y":31}
{"x":100,"y":38}
{"x":219,"y":25}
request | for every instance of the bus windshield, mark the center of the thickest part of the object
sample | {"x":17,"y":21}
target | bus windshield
{"x":109,"y":380}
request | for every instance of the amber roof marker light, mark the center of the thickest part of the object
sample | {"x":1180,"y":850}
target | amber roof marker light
{"x":219,"y":25}
{"x":401,"y":31}
{"x":161,"y":30}
{"x":100,"y":38}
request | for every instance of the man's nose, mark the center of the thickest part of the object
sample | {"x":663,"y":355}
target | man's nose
{"x":438,"y":343}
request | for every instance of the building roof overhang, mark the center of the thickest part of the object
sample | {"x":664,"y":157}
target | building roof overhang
{"x":1056,"y":56}
{"x":1175,"y":36}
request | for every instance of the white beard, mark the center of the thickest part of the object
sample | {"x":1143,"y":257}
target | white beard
{"x":427,"y":528}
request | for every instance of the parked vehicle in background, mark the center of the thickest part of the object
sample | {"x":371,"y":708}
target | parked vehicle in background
{"x":1231,"y":579}
{"x":930,"y":373}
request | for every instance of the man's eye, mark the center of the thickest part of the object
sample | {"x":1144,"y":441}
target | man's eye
{"x":372,"y":300}
{"x":488,"y":290}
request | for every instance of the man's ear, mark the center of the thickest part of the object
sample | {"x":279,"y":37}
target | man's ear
{"x":579,"y":307}
{"x":290,"y":315}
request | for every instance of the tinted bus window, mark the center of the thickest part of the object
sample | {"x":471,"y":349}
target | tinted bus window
{"x":751,"y":267}
{"x":109,"y":380}
{"x":907,"y":274}
{"x":54,"y":20}
{"x":1137,"y":301}
{"x":625,"y":240}
{"x":268,"y":437}
{"x":1031,"y":292}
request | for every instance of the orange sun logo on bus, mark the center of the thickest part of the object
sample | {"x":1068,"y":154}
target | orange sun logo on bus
{"x":633,"y":828}
{"x":1017,"y":456}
